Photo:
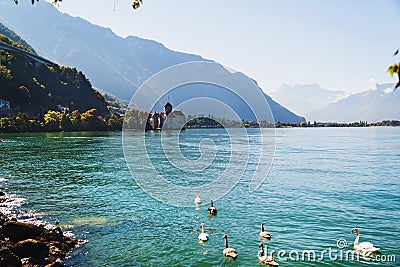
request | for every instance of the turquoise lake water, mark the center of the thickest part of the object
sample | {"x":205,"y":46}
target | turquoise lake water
{"x":323,"y":182}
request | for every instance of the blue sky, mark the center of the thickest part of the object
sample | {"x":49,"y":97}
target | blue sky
{"x":340,"y":44}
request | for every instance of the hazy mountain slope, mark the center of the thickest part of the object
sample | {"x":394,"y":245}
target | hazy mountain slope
{"x":114,"y":64}
{"x":13,"y":36}
{"x":372,"y":105}
{"x":306,"y":98}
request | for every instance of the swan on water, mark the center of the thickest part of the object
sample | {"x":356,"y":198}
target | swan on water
{"x":203,"y":237}
{"x":265,"y":259}
{"x":197,"y":200}
{"x":364,"y":248}
{"x":263,"y":233}
{"x":212,"y":210}
{"x":228,"y":252}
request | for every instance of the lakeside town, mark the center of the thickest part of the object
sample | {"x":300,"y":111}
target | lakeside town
{"x":62,"y":119}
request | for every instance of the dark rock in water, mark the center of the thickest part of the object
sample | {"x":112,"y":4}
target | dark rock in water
{"x":56,"y":264}
{"x":5,"y":245}
{"x":18,"y":231}
{"x":56,"y":250}
{"x":2,"y":194}
{"x":29,"y":262}
{"x":3,"y":218}
{"x":59,"y":244}
{"x":31,"y":248}
{"x":51,"y":236}
{"x":29,"y":245}
{"x":8,"y":258}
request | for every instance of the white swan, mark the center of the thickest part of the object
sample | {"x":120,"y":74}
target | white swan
{"x":264,"y":234}
{"x":228,"y":252}
{"x":265,"y":259}
{"x":212,"y":210}
{"x":203,"y":237}
{"x":197,"y":200}
{"x":364,"y":248}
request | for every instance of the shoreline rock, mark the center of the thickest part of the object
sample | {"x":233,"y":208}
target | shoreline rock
{"x":24,"y":244}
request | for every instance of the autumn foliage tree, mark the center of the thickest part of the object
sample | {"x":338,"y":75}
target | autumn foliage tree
{"x":56,"y":121}
{"x":52,"y":120}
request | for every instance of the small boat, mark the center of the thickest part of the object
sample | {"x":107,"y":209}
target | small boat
{"x":1,"y":140}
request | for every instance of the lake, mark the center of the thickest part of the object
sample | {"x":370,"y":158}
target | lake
{"x":322,"y":183}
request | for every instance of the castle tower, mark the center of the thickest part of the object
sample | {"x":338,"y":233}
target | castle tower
{"x":168,"y":108}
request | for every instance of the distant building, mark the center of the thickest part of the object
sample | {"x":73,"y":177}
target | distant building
{"x":156,"y":121}
{"x":62,"y":109}
{"x":167,"y":120}
{"x":4,"y":104}
{"x":176,"y":120}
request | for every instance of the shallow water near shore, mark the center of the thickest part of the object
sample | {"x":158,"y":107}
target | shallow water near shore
{"x":323,"y":182}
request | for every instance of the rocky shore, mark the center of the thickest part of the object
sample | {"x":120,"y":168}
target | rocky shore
{"x":28,"y":244}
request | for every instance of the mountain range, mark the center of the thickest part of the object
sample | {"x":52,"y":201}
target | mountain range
{"x":378,"y":104}
{"x":320,"y":104}
{"x":306,"y":98}
{"x":112,"y":63}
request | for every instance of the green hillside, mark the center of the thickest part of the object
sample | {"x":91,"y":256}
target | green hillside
{"x":35,"y":88}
